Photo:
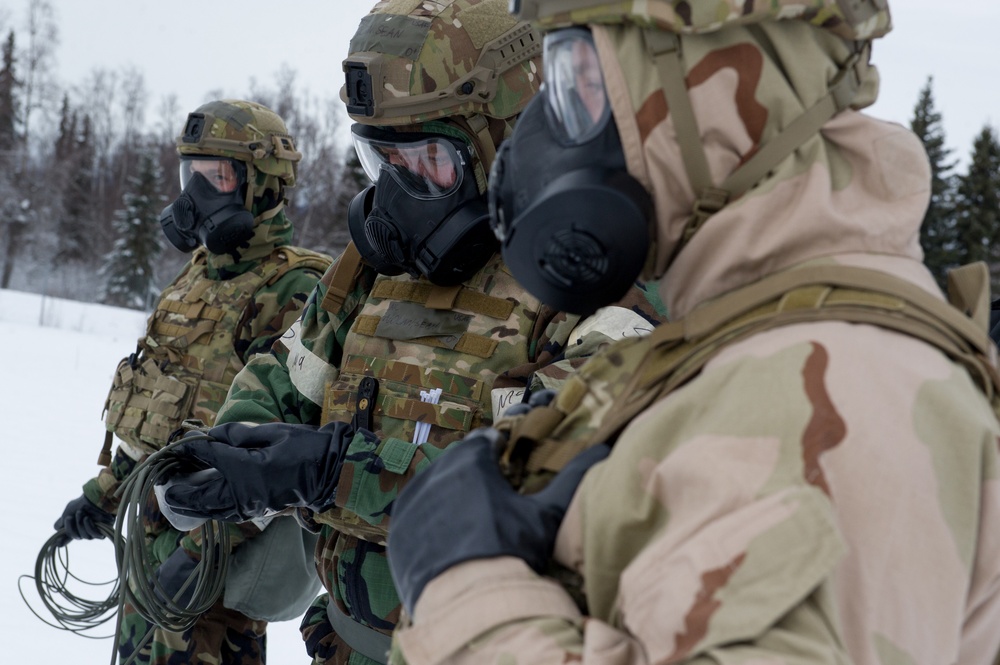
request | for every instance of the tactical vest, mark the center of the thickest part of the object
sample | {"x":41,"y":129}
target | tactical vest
{"x":424,"y":357}
{"x":184,"y":364}
{"x":600,"y":400}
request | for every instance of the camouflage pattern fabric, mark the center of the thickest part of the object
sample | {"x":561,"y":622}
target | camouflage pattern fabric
{"x":850,"y":20}
{"x":254,"y":295}
{"x":420,"y":48}
{"x":821,"y":492}
{"x":312,"y":375}
{"x":236,"y":639}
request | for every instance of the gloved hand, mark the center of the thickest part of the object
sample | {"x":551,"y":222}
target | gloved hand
{"x":462,"y":508}
{"x":257,"y":470}
{"x":173,"y":573}
{"x":80,"y":520}
{"x":539,"y":398}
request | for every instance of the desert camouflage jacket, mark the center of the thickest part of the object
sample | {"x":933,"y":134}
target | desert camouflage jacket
{"x":822,"y":492}
{"x":482,"y":351}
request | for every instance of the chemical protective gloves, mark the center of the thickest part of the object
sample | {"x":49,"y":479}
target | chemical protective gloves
{"x":251,"y":471}
{"x":80,"y":520}
{"x":462,"y":508}
{"x":173,"y":573}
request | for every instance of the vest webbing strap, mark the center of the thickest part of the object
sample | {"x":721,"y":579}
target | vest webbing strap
{"x":345,"y":274}
{"x":678,"y":351}
{"x":466,"y":299}
{"x":104,"y":457}
{"x":470,"y":343}
{"x":443,"y":297}
{"x":186,"y":334}
{"x":193,"y":310}
{"x":366,"y":641}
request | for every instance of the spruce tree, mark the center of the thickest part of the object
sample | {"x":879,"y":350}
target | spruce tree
{"x":977,"y":205}
{"x":8,"y":100}
{"x":129,"y":267}
{"x":937,"y":232}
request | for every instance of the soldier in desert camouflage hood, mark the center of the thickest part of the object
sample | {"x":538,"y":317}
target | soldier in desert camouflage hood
{"x":244,"y":285}
{"x":801,"y":465}
{"x":418,"y":334}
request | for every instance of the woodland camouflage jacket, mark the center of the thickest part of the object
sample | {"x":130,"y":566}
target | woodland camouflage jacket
{"x":482,"y":350}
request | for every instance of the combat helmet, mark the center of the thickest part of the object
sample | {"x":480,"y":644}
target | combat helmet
{"x":250,"y":133}
{"x":414,"y":61}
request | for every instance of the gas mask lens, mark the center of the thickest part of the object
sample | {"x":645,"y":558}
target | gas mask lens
{"x":225,"y":175}
{"x":574,"y":86}
{"x":426,"y":166}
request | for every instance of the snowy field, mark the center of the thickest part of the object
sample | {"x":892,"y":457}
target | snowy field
{"x":54,"y":377}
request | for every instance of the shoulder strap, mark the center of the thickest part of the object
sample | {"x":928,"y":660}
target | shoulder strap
{"x":345,"y":274}
{"x":676,"y":352}
{"x":288,"y":257}
{"x":818,"y":293}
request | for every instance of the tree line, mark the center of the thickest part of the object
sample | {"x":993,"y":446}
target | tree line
{"x":85,"y":171}
{"x":962,"y":223}
{"x":84,"y":176}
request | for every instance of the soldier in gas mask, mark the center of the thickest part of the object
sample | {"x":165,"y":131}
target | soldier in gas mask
{"x":418,"y":334}
{"x":801,"y":465}
{"x":243,"y":287}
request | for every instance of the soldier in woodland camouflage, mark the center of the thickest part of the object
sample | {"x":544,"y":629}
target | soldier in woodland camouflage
{"x":803,"y":461}
{"x":418,"y":333}
{"x":243,"y":287}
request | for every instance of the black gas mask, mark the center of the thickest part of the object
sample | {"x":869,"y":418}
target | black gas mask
{"x":424,"y":215}
{"x":575,"y":227}
{"x":210,"y":210}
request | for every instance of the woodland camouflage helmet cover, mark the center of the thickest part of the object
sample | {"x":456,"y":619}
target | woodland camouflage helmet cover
{"x":412,"y":61}
{"x":849,"y":19}
{"x":242,"y":130}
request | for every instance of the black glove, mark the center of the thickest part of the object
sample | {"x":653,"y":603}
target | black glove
{"x":462,"y":508}
{"x":173,"y":573}
{"x":257,"y":470}
{"x":540,"y":398}
{"x":80,"y":520}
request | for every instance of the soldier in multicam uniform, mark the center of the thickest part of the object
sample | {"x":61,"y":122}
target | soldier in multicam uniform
{"x":241,"y":290}
{"x":419,"y":333}
{"x":803,"y":462}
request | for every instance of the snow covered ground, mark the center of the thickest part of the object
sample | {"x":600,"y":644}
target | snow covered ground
{"x":54,"y":376}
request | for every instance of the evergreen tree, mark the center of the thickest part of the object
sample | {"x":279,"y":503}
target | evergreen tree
{"x":128,"y":269}
{"x":937,"y":232}
{"x":75,"y":226}
{"x":977,"y":205}
{"x":8,"y":100}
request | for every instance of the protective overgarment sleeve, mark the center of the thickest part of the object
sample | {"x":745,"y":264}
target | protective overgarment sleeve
{"x":286,"y":384}
{"x":770,"y":511}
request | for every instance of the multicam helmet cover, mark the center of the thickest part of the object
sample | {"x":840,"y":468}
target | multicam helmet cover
{"x":242,"y":130}
{"x":850,"y":19}
{"x":412,"y":61}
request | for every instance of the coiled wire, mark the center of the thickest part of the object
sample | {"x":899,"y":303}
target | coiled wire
{"x":54,"y":583}
{"x":136,"y":583}
{"x":137,"y":568}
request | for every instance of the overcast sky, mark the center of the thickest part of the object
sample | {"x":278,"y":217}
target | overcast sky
{"x":195,"y":47}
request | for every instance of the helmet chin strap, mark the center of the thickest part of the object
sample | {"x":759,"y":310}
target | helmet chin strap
{"x":478,"y":128}
{"x":665,"y":49}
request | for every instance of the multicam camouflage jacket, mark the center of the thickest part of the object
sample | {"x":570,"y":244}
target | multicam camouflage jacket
{"x":394,"y":352}
{"x":217,"y":313}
